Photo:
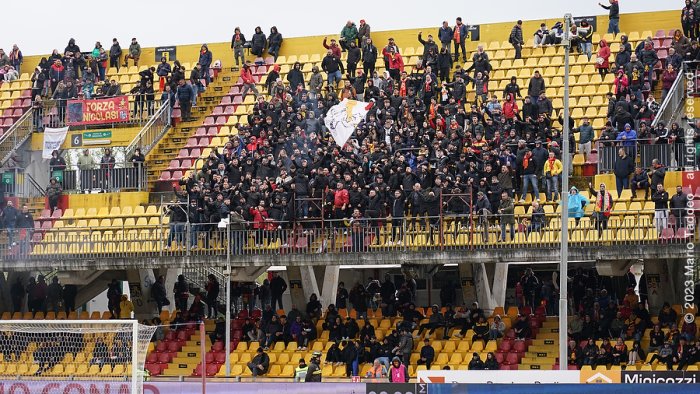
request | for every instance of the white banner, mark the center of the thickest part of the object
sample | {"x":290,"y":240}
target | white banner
{"x":53,"y":139}
{"x":342,"y":119}
{"x":505,"y":377}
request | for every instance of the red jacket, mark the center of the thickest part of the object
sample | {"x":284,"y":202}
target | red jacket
{"x":247,"y":75}
{"x":510,"y":109}
{"x":395,"y":62}
{"x":335,"y":48}
{"x":340,"y":198}
{"x":259,"y":218}
{"x":604,"y":53}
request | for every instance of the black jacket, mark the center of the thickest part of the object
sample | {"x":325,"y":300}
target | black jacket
{"x":624,"y":166}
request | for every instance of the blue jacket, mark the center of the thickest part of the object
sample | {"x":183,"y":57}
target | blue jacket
{"x":576,"y":204}
{"x":630,"y":137}
{"x":445,"y":34}
{"x":184,"y":93}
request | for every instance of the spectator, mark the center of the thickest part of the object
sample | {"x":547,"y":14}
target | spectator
{"x":552,"y":172}
{"x":660,"y":199}
{"x":205,"y":59}
{"x":185,"y":97}
{"x":445,"y":35}
{"x":258,"y":42}
{"x":537,"y":218}
{"x":435,"y":321}
{"x":427,"y":354}
{"x":603,"y":207}
{"x":396,"y":65}
{"x":115,"y":54}
{"x":613,"y":17}
{"x":53,"y":194}
{"x":212,"y":288}
{"x":398,"y":372}
{"x":9,"y":217}
{"x":516,"y":39}
{"x":238,"y":45}
{"x":540,"y":35}
{"x":354,"y":54}
{"x":333,"y":68}
{"x":277,"y":288}
{"x":506,"y":212}
{"x":274,"y":42}
{"x":679,"y":207}
{"x":369,"y":57}
{"x":624,"y":167}
{"x":667,"y":79}
{"x":475,"y":364}
{"x":159,"y":294}
{"x":460,"y":35}
{"x":348,"y":35}
{"x":260,"y":364}
{"x":17,"y":293}
{"x":134,"y":53}
{"x":640,"y":181}
{"x":649,"y":58}
{"x":181,"y":291}
{"x":126,"y":307}
{"x":536,"y":86}
{"x":602,"y":60}
{"x":688,"y":19}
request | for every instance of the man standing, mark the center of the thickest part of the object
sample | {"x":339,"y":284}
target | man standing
{"x":277,"y":288}
{"x":506,"y":211}
{"x":602,"y":207}
{"x":85,"y":164}
{"x":445,"y":35}
{"x":25,"y":222}
{"x":369,"y":57}
{"x":516,"y":39}
{"x":9,"y":218}
{"x":660,"y":199}
{"x":184,"y":95}
{"x":460,"y":33}
{"x":679,"y":207}
{"x":115,"y":53}
{"x":624,"y":166}
{"x":363,"y":33}
{"x":614,"y":17}
{"x":334,"y":69}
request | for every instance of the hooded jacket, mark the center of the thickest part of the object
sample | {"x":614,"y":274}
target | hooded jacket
{"x":604,"y":54}
{"x":576,"y":204}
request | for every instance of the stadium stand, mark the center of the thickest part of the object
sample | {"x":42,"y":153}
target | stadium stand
{"x":228,"y":127}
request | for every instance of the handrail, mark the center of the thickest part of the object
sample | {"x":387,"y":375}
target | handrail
{"x":35,"y":184}
{"x":152,"y":132}
{"x":674,"y":99}
{"x":15,"y":136}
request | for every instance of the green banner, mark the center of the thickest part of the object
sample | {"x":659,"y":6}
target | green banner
{"x":8,"y":178}
{"x":96,"y":135}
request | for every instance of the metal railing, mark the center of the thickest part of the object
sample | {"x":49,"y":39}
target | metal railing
{"x":18,"y":183}
{"x":152,"y":131}
{"x":13,"y":138}
{"x":449,"y":233}
{"x":104,"y":177}
{"x":674,"y":99}
{"x":53,"y":113}
{"x":643,"y":151}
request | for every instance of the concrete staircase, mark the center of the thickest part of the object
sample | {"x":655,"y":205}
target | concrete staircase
{"x":176,"y":138}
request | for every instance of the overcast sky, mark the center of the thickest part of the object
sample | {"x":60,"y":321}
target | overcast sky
{"x":45,"y":25}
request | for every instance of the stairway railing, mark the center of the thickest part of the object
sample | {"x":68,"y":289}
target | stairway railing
{"x":13,"y":138}
{"x":153,"y":131}
{"x":673,"y":102}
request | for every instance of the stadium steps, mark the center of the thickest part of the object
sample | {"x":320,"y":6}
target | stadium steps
{"x":176,"y":138}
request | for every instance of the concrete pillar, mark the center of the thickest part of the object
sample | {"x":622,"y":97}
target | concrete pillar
{"x":466,"y":282}
{"x":140,"y":282}
{"x":302,"y":283}
{"x":660,"y":286}
{"x":330,"y":285}
{"x":490,"y":296}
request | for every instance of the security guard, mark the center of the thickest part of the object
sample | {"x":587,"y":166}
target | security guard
{"x":300,"y":371}
{"x":313,"y":373}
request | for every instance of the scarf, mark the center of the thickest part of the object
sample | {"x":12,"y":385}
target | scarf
{"x":526,"y":160}
{"x":550,"y":164}
{"x":458,"y":35}
{"x":403,"y":88}
{"x":602,"y":203}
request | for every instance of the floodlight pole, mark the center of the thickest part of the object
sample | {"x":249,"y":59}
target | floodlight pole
{"x":564,"y":247}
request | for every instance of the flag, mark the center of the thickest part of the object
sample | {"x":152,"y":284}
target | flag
{"x":53,"y":139}
{"x":342,"y":119}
